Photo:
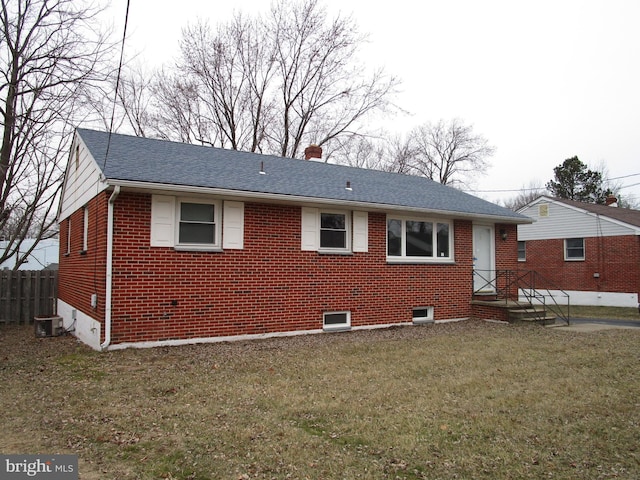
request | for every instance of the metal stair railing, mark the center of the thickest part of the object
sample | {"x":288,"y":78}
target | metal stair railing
{"x":509,"y":285}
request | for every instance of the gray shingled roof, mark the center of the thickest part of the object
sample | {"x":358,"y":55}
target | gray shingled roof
{"x":146,"y":160}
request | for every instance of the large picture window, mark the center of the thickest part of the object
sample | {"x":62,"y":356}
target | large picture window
{"x":418,"y":239}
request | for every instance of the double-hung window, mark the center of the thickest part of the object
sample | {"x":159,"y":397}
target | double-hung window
{"x":333,"y":231}
{"x":574,"y":249}
{"x":326,"y":230}
{"x":522,"y":251}
{"x":199,"y":224}
{"x":413,"y":239}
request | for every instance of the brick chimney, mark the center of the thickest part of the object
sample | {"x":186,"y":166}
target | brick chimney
{"x":611,"y":201}
{"x":312,"y":151}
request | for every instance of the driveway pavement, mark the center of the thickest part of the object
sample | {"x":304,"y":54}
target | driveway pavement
{"x":595,"y":324}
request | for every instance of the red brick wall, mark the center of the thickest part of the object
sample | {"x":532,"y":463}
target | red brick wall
{"x":506,"y":259}
{"x":82,"y":274}
{"x":616,"y":259}
{"x":271,"y":285}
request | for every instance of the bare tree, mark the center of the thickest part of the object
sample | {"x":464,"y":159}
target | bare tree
{"x":384,"y":151}
{"x":323,"y":91}
{"x":177,"y":113}
{"x":527,"y":195}
{"x":135,"y":97}
{"x":449,"y":152}
{"x":271,"y":84}
{"x":48,"y":65}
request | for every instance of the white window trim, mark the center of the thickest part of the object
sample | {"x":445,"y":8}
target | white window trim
{"x":575,"y":259}
{"x":85,"y":229}
{"x":525,"y":251}
{"x":410,"y":259}
{"x":341,"y":326}
{"x":347,"y":225}
{"x":428,"y":319}
{"x":217,"y":219}
{"x":356,"y":224}
{"x":68,"y":252}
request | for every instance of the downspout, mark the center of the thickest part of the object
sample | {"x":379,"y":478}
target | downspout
{"x":108,"y":286}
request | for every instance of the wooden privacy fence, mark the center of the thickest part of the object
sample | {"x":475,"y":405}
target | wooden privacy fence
{"x":25,"y":294}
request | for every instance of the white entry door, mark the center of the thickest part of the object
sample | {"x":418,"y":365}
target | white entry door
{"x":484,"y":273}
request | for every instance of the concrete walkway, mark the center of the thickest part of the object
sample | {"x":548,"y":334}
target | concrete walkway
{"x":596,"y":324}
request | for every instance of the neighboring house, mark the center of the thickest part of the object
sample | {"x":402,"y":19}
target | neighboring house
{"x":590,"y":251}
{"x":165,"y":243}
{"x":43,"y":256}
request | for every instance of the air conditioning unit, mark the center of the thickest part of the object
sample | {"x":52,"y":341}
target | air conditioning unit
{"x":48,"y":326}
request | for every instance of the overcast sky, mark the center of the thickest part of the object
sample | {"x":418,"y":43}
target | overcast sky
{"x":542,"y":81}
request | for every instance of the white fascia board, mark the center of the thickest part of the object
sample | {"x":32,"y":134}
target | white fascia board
{"x":168,"y":189}
{"x":534,"y":202}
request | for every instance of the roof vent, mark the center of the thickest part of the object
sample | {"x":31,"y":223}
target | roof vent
{"x":543,"y":210}
{"x":313,"y":151}
{"x":611,"y":201}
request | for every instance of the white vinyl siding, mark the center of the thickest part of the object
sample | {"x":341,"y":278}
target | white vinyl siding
{"x":564,"y":221}
{"x":82,"y":180}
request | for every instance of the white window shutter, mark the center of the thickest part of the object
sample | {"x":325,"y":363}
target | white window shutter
{"x":310,"y":232}
{"x":360,"y":231}
{"x":233,"y":225}
{"x":163,"y":217}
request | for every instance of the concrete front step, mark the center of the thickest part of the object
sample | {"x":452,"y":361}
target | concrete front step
{"x":532,"y":312}
{"x":546,"y":320}
{"x":515,"y":312}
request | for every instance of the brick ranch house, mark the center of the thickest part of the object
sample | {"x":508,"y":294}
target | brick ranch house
{"x":163,"y":243}
{"x":590,"y":251}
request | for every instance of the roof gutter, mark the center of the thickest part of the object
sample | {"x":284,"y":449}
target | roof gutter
{"x":108,"y":288}
{"x":166,"y":189}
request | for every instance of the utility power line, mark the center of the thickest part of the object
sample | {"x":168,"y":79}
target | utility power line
{"x":512,"y":190}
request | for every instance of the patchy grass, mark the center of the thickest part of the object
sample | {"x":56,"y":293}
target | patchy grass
{"x":471,"y":400}
{"x":620,"y":313}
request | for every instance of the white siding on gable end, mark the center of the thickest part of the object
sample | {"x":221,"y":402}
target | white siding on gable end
{"x":163,"y":215}
{"x":233,"y":225}
{"x":564,"y":221}
{"x":82,"y":180}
